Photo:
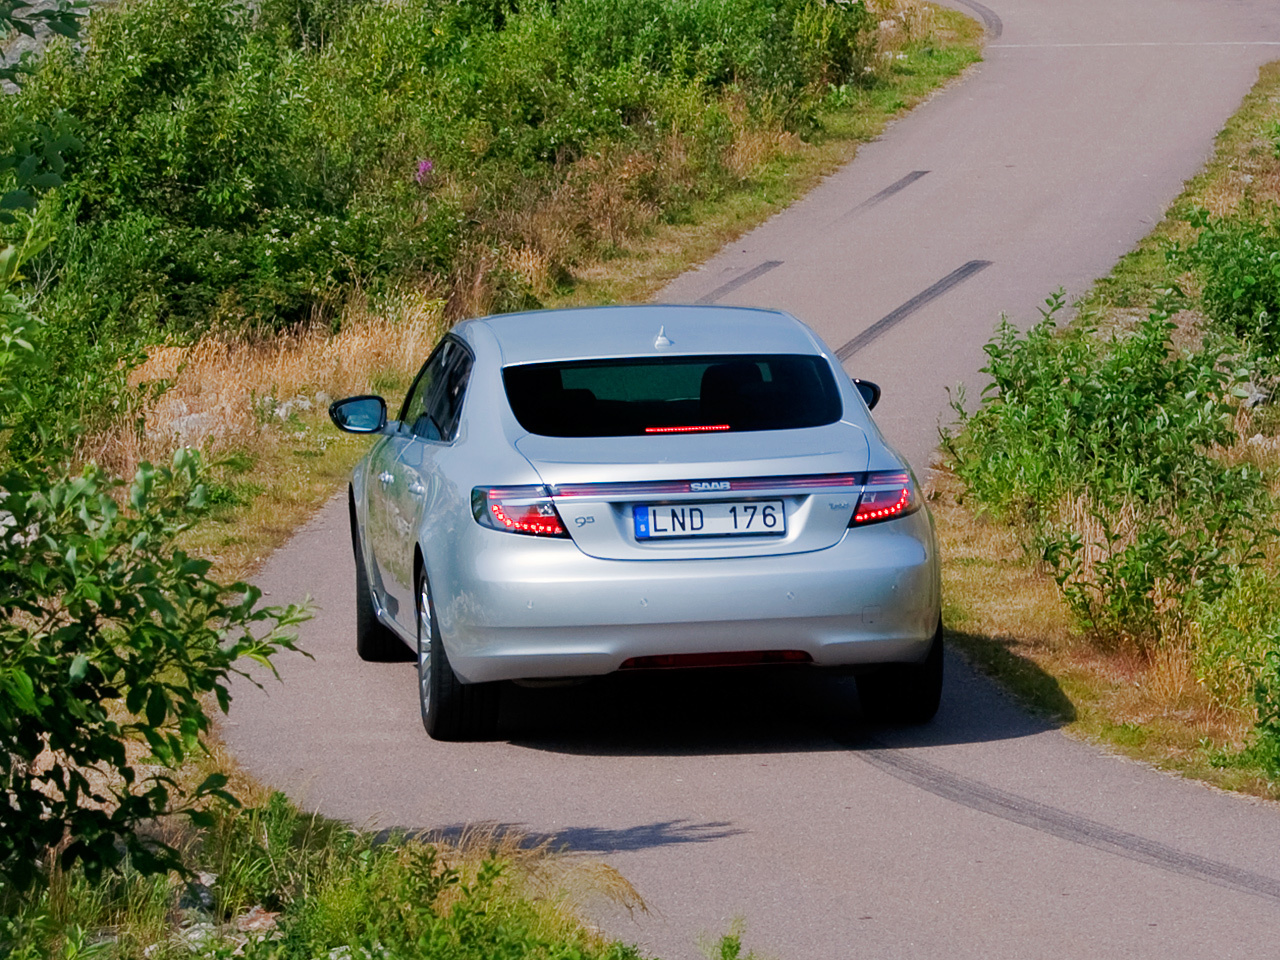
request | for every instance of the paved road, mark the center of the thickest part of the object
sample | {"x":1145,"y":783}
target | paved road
{"x":987,"y":834}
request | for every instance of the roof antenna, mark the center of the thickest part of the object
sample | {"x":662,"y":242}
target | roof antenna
{"x":662,"y":340}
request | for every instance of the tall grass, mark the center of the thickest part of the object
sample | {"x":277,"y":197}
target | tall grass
{"x":223,"y":391}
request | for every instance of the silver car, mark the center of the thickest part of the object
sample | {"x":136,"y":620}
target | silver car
{"x":569,"y":493}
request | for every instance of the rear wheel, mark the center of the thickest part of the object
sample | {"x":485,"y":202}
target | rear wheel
{"x":906,"y":693}
{"x":374,"y":641}
{"x":451,"y":709}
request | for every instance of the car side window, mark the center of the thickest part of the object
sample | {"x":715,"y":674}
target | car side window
{"x":445,"y":406}
{"x":434,"y":405}
{"x":415,"y":414}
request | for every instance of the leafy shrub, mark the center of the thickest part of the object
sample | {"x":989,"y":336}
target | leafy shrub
{"x":251,"y":168}
{"x":1266,"y":691}
{"x":1105,"y":452}
{"x":244,"y":167}
{"x":111,"y":638}
{"x":1238,"y":260}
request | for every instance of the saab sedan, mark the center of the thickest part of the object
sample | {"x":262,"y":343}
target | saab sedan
{"x":572,"y":493}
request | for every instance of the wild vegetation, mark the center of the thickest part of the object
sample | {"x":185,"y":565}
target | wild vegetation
{"x":249,"y":168}
{"x":270,"y":882}
{"x":1133,"y":457}
{"x":215,"y":216}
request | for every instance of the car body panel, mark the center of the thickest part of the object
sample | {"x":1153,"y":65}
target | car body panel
{"x":533,"y":612}
{"x":599,"y":520}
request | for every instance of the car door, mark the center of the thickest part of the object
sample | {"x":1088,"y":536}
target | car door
{"x":387,"y":522}
{"x":431,"y":418}
{"x":380,"y":540}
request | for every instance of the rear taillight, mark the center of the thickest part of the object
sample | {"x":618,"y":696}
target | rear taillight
{"x":887,"y":494}
{"x":517,"y":509}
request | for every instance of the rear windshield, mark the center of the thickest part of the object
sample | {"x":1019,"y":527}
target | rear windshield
{"x":663,"y":395}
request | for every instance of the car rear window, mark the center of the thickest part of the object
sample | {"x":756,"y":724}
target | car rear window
{"x":663,"y":395}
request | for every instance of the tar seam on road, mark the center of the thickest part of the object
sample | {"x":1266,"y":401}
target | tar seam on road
{"x":736,"y":282}
{"x":952,"y":279}
{"x":884,"y":194}
{"x":990,"y":19}
{"x":1063,"y":825}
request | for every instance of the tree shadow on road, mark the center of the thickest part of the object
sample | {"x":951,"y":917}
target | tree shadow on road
{"x":761,"y":711}
{"x":641,"y":836}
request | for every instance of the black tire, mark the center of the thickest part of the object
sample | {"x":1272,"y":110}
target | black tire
{"x":451,"y":709}
{"x":374,"y":641}
{"x":904,"y":693}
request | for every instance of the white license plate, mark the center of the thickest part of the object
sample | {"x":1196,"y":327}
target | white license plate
{"x":735,"y":519}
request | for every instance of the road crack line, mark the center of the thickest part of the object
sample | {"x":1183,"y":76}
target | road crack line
{"x":1063,"y":825}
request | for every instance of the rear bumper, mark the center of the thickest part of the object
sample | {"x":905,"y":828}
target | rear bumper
{"x":542,"y":608}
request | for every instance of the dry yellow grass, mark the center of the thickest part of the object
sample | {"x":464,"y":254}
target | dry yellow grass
{"x":224,"y":393}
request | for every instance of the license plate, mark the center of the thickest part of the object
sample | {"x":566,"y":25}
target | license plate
{"x":734,"y":519}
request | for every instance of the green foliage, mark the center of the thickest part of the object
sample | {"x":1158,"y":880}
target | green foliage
{"x":243,"y":166}
{"x":1238,"y":260}
{"x":1105,"y":451}
{"x":1266,"y":692}
{"x":251,"y":167}
{"x":33,"y":153}
{"x":110,"y":636}
{"x":111,"y":640}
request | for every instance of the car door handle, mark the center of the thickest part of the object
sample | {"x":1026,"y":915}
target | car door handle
{"x":386,"y":477}
{"x":417,"y":489}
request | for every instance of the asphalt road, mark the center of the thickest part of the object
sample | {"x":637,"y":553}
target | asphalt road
{"x":986,"y":834}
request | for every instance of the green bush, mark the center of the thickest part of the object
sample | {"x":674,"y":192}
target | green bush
{"x":111,"y":638}
{"x":1107,"y":453}
{"x":1238,"y":261}
{"x":249,"y":167}
{"x":1266,"y":747}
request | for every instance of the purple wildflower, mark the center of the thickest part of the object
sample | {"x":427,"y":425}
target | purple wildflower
{"x":424,"y":170}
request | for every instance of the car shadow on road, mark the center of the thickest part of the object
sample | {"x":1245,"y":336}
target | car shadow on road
{"x":758,"y":711}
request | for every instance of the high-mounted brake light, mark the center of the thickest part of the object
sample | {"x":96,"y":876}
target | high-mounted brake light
{"x":887,"y":494}
{"x":712,"y":428}
{"x":517,"y":509}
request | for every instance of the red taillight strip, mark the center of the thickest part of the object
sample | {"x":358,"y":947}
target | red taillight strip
{"x":713,"y":428}
{"x":610,"y":491}
{"x":539,"y":524}
{"x":523,"y":509}
{"x":870,"y":510}
{"x":883,"y":513}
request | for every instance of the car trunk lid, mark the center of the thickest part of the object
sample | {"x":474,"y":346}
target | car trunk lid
{"x":755,"y":493}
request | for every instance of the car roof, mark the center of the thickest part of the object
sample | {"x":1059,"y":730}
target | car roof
{"x":633,"y":331}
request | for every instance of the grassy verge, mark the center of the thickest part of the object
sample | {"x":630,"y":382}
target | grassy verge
{"x":1186,"y":690}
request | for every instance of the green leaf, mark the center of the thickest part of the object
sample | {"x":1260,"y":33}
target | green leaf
{"x":157,"y":706}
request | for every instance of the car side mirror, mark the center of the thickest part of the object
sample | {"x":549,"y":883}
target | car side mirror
{"x":364,"y":414}
{"x":870,"y":392}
